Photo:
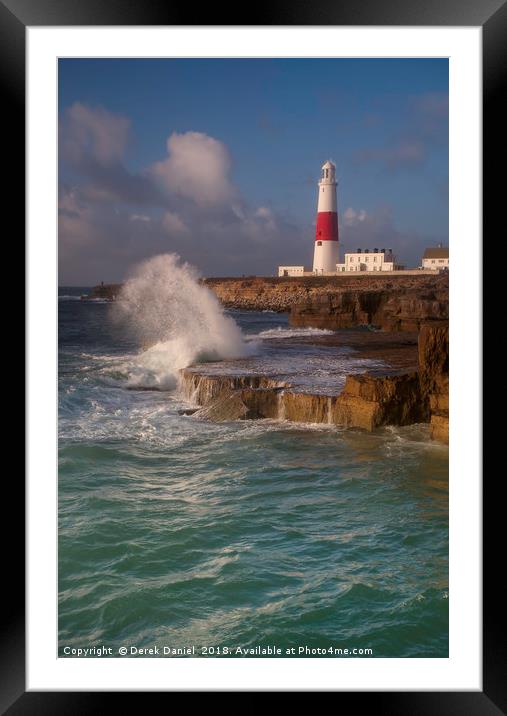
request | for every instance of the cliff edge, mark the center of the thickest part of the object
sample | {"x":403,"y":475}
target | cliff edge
{"x":313,"y":295}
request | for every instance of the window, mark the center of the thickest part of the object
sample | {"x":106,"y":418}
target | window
{"x":366,"y":259}
{"x":319,"y":243}
{"x":351,"y":259}
{"x":432,"y":261}
{"x":440,"y":261}
{"x":375,"y":260}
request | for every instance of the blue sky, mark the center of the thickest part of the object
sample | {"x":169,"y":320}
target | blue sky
{"x":234,"y":192}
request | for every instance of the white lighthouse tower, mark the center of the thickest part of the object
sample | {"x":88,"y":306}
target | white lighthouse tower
{"x":325,"y":256}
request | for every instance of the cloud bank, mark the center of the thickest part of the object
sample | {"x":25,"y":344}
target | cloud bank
{"x":110,"y":217}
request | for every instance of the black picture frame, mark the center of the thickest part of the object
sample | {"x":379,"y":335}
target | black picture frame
{"x":491,"y":15}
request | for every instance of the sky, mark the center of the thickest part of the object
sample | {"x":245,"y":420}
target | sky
{"x":218,"y":160}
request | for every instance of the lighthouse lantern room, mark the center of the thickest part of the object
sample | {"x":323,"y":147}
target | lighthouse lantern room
{"x":325,"y":255}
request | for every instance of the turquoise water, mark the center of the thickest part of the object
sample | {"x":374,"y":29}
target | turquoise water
{"x":178,"y":532}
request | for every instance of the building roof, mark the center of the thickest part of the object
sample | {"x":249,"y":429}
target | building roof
{"x":328,"y":165}
{"x":436,"y":253}
{"x":371,"y":251}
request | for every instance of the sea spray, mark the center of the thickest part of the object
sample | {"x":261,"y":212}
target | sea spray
{"x":178,"y":318}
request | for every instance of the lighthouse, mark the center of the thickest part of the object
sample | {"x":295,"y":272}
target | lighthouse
{"x":325,"y":256}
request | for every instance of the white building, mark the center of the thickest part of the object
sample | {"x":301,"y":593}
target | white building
{"x":436,"y":259}
{"x":292,"y":270}
{"x":369,"y":260}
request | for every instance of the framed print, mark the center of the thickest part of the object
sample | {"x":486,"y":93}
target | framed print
{"x":254,"y":262}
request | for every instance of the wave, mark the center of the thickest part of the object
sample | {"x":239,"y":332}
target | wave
{"x":167,"y":308}
{"x":280,"y":332}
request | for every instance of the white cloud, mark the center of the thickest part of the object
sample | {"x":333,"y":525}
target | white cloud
{"x":94,"y":132}
{"x":264,"y":212}
{"x":197,"y":168}
{"x":264,"y":217}
{"x":139,"y":217}
{"x":351,"y":217}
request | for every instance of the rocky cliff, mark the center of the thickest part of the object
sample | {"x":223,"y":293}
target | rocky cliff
{"x":434,"y":375}
{"x":393,"y":309}
{"x":361,"y":293}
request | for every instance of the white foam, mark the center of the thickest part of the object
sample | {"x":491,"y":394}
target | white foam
{"x":280,"y":332}
{"x":164,"y":303}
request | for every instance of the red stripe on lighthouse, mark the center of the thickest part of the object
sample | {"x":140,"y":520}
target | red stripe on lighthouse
{"x":327,"y":226}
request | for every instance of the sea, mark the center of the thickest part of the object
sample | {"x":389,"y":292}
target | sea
{"x":220,"y":540}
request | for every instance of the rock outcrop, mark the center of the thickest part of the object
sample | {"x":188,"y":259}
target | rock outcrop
{"x":228,"y":406}
{"x":434,"y":375}
{"x":367,"y":401}
{"x":390,"y":310}
{"x":104,"y":291}
{"x":202,"y":388}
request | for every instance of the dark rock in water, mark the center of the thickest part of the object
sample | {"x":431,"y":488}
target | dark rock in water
{"x":105,"y":291}
{"x":188,"y":411}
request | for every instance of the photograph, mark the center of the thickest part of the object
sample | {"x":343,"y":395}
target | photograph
{"x":253,"y":357}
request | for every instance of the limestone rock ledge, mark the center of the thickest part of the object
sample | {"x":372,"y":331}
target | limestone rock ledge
{"x":202,"y":389}
{"x":367,"y":401}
